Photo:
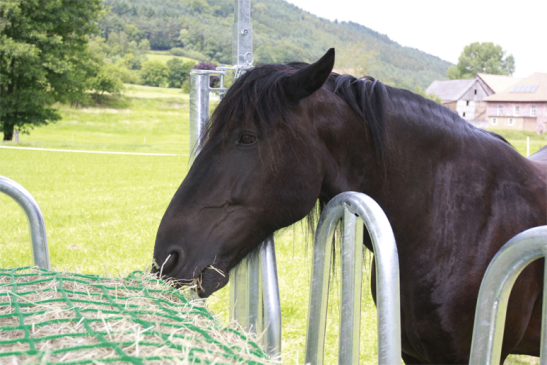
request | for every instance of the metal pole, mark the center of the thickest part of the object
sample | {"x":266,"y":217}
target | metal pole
{"x":387,"y":280}
{"x":35,"y":219}
{"x":199,"y":108}
{"x":352,"y":274}
{"x":246,"y":293}
{"x":494,"y":294}
{"x":242,"y":34}
{"x":271,"y":302}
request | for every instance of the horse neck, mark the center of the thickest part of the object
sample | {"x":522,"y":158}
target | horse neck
{"x":422,"y":139}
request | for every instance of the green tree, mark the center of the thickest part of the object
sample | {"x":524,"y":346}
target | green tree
{"x":43,"y":58}
{"x":107,"y":80}
{"x":155,"y":73}
{"x":179,"y":71}
{"x":482,"y":57}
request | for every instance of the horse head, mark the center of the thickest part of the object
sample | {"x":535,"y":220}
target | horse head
{"x":258,"y":171}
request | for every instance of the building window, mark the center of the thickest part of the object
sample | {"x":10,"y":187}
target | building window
{"x":467,"y":103}
{"x":475,"y":91}
{"x":511,"y":121}
{"x":516,"y":111}
{"x":500,"y":110}
{"x":533,"y":111}
{"x":494,"y":121}
{"x":463,"y":114}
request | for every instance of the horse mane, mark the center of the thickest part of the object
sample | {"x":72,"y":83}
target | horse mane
{"x":257,"y":98}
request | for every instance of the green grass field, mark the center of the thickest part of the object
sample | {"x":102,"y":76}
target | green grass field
{"x":165,"y":56}
{"x":102,"y":211}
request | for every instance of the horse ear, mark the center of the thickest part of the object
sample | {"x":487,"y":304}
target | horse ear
{"x":308,"y":80}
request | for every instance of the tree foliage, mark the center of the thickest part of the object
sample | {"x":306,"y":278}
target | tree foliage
{"x":202,"y":30}
{"x":482,"y":57}
{"x":155,"y":73}
{"x":179,"y":71}
{"x":44,"y":58}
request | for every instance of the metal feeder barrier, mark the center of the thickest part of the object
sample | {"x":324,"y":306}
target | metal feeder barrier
{"x":354,"y":209}
{"x":494,"y":293}
{"x":35,"y":219}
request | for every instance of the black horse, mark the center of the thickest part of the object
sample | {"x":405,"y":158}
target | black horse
{"x":285,"y":136}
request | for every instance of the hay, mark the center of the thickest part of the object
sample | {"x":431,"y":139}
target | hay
{"x":49,"y":317}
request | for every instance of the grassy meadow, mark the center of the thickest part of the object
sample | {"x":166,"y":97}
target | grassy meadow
{"x":165,"y":56}
{"x":102,"y":210}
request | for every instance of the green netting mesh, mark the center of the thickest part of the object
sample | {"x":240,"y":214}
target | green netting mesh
{"x":49,"y":317}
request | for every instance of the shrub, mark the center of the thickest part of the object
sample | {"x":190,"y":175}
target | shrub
{"x":214,"y":80}
{"x":155,"y":73}
{"x":179,"y":71}
{"x":107,"y":80}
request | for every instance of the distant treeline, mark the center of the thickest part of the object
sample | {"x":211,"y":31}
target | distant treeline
{"x":201,"y":29}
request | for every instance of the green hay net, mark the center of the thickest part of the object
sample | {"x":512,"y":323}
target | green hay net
{"x":49,"y":317}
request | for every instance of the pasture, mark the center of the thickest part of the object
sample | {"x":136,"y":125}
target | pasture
{"x":102,"y":211}
{"x":165,"y":56}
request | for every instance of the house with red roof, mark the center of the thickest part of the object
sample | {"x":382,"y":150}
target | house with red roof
{"x":522,"y":106}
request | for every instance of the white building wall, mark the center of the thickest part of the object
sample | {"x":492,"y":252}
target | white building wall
{"x":466,"y":109}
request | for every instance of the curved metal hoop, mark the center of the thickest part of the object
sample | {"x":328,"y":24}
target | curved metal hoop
{"x":35,"y":219}
{"x":352,"y":207}
{"x":494,"y":293}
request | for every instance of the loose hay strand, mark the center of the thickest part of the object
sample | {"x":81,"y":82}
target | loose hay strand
{"x":50,"y":317}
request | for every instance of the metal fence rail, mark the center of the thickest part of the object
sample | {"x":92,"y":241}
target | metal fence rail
{"x":355,"y":209}
{"x":494,"y":293}
{"x":35,"y":219}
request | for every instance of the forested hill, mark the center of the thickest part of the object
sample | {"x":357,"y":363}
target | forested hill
{"x":201,"y":29}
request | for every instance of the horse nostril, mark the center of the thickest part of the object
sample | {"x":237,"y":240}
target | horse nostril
{"x":170,"y":263}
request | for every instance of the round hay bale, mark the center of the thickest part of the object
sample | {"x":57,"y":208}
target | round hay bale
{"x":49,"y":317}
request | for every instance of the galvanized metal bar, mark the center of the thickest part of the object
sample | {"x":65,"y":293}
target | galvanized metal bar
{"x":35,"y":220}
{"x":199,"y":108}
{"x":320,"y":280}
{"x":387,"y":277}
{"x":494,"y":293}
{"x":272,"y":305}
{"x":246,"y":293}
{"x":352,"y":275}
{"x":242,"y":34}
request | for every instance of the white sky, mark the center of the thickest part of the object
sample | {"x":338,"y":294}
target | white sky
{"x":444,"y":28}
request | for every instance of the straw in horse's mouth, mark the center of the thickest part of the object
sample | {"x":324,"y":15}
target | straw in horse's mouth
{"x":194,"y":283}
{"x":199,"y":279}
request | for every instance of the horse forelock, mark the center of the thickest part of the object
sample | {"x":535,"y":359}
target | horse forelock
{"x":256,"y":99}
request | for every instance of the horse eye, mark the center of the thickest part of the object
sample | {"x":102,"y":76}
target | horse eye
{"x":246,"y":139}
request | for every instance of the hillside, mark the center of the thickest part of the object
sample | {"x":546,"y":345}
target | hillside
{"x":201,"y":29}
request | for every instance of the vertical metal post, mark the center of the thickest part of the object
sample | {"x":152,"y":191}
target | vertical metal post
{"x":352,"y":274}
{"x":246,"y":293}
{"x":494,"y":294}
{"x":242,"y":34}
{"x":271,"y":302}
{"x":35,"y":219}
{"x":199,"y":109}
{"x":387,"y":280}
